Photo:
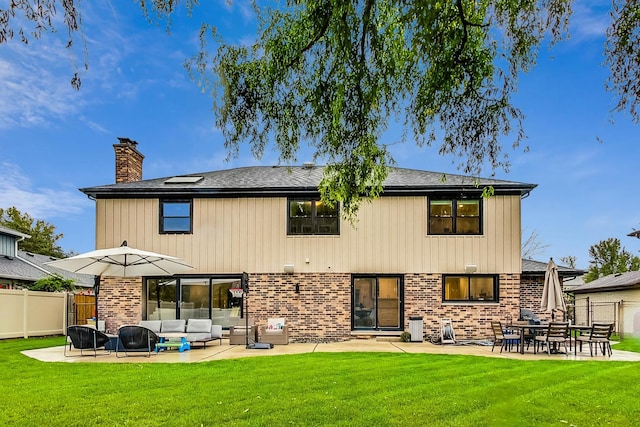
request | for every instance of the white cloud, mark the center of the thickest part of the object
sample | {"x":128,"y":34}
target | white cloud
{"x":35,"y":88}
{"x":590,"y":19}
{"x":17,"y":190}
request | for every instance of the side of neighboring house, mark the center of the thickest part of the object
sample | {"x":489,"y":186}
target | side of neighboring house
{"x":427,"y":247}
{"x":19,"y":269}
{"x":614,"y":298}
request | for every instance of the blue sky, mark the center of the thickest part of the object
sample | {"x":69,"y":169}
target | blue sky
{"x":54,"y":140}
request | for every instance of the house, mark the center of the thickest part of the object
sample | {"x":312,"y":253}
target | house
{"x":427,"y":247}
{"x":19,"y":269}
{"x":613,"y":298}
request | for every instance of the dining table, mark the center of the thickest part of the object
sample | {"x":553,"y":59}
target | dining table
{"x":574,"y":330}
{"x":521,"y":327}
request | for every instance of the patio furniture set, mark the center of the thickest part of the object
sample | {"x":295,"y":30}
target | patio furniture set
{"x":552,"y":336}
{"x":159,"y":335}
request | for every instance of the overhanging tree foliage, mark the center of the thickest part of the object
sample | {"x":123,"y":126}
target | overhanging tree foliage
{"x":53,"y":283}
{"x":609,"y":257}
{"x":43,"y":238}
{"x":333,"y":74}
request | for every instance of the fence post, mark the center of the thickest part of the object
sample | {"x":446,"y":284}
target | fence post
{"x":25,"y":314}
{"x":621,"y":316}
{"x":65,"y":313}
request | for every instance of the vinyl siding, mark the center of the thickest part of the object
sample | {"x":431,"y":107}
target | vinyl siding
{"x":249,"y":234}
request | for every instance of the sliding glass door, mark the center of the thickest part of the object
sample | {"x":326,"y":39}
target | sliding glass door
{"x":376,"y":302}
{"x":193,"y":298}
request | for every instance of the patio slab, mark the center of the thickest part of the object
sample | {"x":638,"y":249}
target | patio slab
{"x":226,"y":351}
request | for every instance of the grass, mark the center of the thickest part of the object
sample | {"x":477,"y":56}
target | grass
{"x":317,"y":389}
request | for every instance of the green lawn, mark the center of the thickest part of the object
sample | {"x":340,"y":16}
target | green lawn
{"x":344,"y":389}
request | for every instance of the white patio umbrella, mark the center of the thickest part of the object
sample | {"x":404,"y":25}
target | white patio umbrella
{"x":552,"y":298}
{"x":123,"y":261}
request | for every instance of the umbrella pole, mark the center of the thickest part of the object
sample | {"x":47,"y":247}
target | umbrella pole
{"x":96,"y":291}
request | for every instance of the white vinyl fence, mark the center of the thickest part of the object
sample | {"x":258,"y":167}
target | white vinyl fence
{"x":26,"y":313}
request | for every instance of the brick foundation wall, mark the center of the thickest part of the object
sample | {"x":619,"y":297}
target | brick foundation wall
{"x":423,"y":297}
{"x":321,"y":311}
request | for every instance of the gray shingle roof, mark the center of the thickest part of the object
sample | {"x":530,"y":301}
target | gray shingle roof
{"x":530,"y":266}
{"x":278,"y":180}
{"x":30,"y":267}
{"x":15,"y":268}
{"x":618,"y":281}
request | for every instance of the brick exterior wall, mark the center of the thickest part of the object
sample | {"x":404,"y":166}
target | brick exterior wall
{"x":321,"y":311}
{"x":423,"y":297}
{"x":128,"y":161}
{"x":531,"y":288}
{"x":120,"y":302}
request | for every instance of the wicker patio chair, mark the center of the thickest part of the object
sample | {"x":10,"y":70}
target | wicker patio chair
{"x":84,"y":337}
{"x":275,"y":332}
{"x":136,"y":338}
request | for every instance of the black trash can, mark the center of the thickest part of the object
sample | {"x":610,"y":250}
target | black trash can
{"x":416,"y":327}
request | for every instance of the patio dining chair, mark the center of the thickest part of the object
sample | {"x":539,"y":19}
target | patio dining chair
{"x":84,"y":337}
{"x":557,"y":333}
{"x":599,"y":336}
{"x":506,"y":340}
{"x":136,"y":338}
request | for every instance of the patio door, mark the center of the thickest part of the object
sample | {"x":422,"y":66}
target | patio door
{"x":376,"y":302}
{"x":194,"y":298}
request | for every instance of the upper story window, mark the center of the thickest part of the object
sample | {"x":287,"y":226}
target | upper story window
{"x":312,"y":217}
{"x":176,"y":216}
{"x":457,"y":288}
{"x":455,"y":216}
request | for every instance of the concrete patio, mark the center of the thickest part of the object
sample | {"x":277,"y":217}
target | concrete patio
{"x":225,"y":351}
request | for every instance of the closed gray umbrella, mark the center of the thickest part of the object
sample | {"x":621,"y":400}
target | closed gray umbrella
{"x":552,"y":298}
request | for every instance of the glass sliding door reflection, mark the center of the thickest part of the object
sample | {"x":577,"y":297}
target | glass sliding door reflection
{"x":389,"y":302}
{"x":161,"y":299}
{"x":194,"y":301}
{"x":364,"y":302}
{"x":225,"y":308}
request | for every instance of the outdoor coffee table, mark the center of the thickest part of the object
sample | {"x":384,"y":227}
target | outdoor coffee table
{"x":165,"y":341}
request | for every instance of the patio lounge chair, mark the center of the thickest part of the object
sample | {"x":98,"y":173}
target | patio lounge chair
{"x":600,"y":336}
{"x":557,"y":333}
{"x":276,"y":332}
{"x":84,"y":337}
{"x":238,"y":333}
{"x":506,"y":340}
{"x":136,"y":338}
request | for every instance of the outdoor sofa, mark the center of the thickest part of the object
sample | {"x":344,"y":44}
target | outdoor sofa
{"x":199,"y":331}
